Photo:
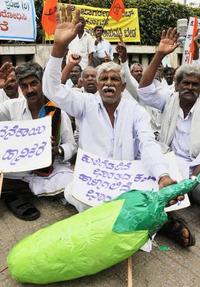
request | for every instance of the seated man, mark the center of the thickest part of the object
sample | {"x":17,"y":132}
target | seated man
{"x":51,"y":180}
{"x":132,"y":83}
{"x":136,"y":70}
{"x":180,"y":111}
{"x":168,"y":78}
{"x":110,"y":126}
{"x":88,"y":81}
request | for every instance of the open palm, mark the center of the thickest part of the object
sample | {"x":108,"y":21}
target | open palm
{"x":168,"y":42}
{"x":67,"y":28}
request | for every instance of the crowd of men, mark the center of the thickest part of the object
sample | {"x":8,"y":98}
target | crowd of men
{"x":107,"y":109}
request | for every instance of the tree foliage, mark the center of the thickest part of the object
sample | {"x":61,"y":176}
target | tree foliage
{"x":154,"y":15}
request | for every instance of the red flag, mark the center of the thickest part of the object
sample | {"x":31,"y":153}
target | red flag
{"x":49,"y":16}
{"x":117,"y":9}
{"x":194,"y":34}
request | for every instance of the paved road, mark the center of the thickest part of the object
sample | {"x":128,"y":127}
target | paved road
{"x":174,"y":268}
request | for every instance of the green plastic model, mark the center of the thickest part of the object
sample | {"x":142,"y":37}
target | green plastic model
{"x":94,"y":240}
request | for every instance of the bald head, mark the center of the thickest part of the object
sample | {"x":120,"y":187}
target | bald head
{"x":88,"y":80}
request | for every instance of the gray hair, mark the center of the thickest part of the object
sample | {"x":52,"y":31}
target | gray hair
{"x":108,"y":66}
{"x":28,"y":69}
{"x":134,"y":65}
{"x":186,"y":69}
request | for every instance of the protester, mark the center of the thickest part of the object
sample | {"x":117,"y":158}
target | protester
{"x":88,"y":80}
{"x":181,"y":110}
{"x":110,"y":126}
{"x":50,"y":180}
{"x":168,"y":78}
{"x":83,"y":45}
{"x":71,"y":71}
{"x":103,"y":49}
{"x":132,"y":82}
{"x":136,"y":70}
{"x":9,"y":88}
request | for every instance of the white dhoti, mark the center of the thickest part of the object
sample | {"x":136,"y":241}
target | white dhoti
{"x":79,"y":205}
{"x":50,"y":185}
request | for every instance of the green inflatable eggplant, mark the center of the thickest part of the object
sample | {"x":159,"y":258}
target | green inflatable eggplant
{"x":94,"y":240}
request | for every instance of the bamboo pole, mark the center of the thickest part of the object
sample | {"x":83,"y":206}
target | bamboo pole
{"x":1,"y":181}
{"x":130,"y":272}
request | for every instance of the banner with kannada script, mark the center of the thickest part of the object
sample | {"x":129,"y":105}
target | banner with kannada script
{"x":98,"y":179}
{"x":17,"y":20}
{"x":25,"y":145}
{"x":127,"y":27}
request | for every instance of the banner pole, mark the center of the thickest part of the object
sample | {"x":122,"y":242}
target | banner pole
{"x":1,"y":181}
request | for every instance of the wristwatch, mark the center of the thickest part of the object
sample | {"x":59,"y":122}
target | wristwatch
{"x":60,"y":151}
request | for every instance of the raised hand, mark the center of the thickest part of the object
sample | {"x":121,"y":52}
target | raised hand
{"x":66,"y":30}
{"x":121,"y":51}
{"x":74,"y":59}
{"x":168,"y":42}
{"x":107,"y":57}
{"x":6,"y":70}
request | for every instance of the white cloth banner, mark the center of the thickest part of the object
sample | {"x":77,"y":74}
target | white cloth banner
{"x":17,"y":20}
{"x":97,"y":180}
{"x":25,"y":145}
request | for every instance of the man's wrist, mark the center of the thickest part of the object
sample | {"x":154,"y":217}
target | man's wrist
{"x":58,"y":50}
{"x":60,"y":151}
{"x":162,"y":176}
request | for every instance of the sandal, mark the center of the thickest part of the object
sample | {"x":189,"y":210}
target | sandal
{"x":22,"y":208}
{"x":175,"y":228}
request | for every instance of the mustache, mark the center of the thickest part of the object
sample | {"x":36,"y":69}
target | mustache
{"x":31,"y":94}
{"x":9,"y":87}
{"x":189,"y":92}
{"x":109,"y":89}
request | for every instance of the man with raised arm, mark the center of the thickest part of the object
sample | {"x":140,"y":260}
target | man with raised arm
{"x":180,"y":110}
{"x":110,"y":126}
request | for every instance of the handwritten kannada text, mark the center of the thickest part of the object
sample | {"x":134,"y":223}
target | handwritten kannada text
{"x":15,"y":155}
{"x":16,"y":131}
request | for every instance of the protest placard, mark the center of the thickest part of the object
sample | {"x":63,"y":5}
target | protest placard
{"x":127,"y":28}
{"x":17,"y":20}
{"x":25,"y":145}
{"x":97,"y":179}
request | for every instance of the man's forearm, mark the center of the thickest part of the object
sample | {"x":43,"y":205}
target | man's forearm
{"x":90,"y":59}
{"x":151,"y":70}
{"x":66,"y":72}
{"x":58,"y":50}
{"x":196,"y":170}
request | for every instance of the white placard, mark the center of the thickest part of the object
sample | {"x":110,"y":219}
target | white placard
{"x":17,"y":20}
{"x":97,"y":180}
{"x":25,"y":145}
{"x":186,"y":53}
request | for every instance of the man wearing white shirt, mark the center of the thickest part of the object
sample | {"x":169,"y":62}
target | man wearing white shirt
{"x":110,"y":126}
{"x":103,"y":49}
{"x":181,"y":110}
{"x":50,"y":180}
{"x":136,"y":70}
{"x":83,"y":45}
{"x":179,"y":129}
{"x":168,"y":79}
{"x":132,"y":81}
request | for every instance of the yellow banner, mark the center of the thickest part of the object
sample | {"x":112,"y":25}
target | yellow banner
{"x":127,"y":27}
